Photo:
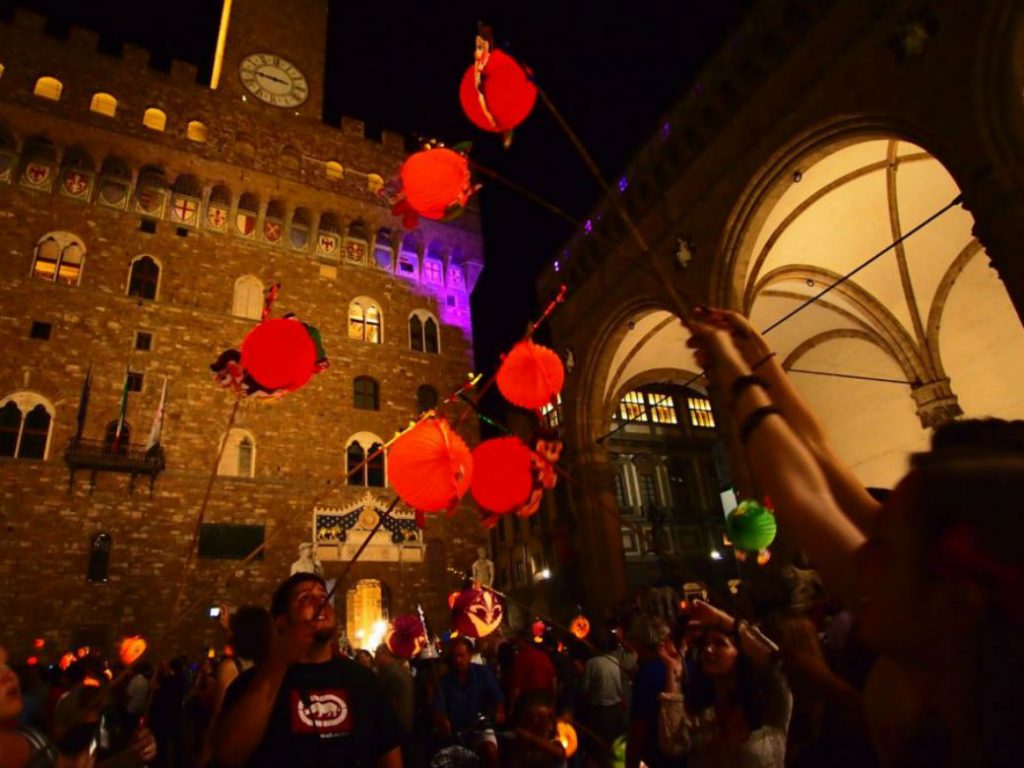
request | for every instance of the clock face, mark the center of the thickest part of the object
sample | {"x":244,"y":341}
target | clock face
{"x":273,"y":80}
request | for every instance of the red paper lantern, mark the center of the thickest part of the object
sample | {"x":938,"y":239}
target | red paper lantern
{"x":507,"y":91}
{"x":580,"y":627}
{"x":32,"y":660}
{"x":430,"y":466}
{"x":538,"y":629}
{"x":38,"y":643}
{"x":131,"y":649}
{"x":279,"y":354}
{"x":66,"y":661}
{"x":530,"y":375}
{"x":436,"y":180}
{"x":502,"y":474}
{"x":406,"y":636}
{"x":477,"y":613}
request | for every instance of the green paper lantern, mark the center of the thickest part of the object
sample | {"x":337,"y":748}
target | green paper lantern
{"x":751,"y":527}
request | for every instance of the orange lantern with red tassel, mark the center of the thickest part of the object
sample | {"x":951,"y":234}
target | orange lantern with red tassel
{"x":504,"y":98}
{"x":502,"y":474}
{"x":530,"y":375}
{"x":430,"y":466}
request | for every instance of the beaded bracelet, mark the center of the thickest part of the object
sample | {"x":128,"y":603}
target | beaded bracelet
{"x":753,"y":421}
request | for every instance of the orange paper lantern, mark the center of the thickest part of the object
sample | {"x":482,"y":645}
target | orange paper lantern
{"x":436,"y":181}
{"x":66,"y":661}
{"x":530,"y":375}
{"x":38,"y":643}
{"x":279,"y":354}
{"x":580,"y":627}
{"x":452,"y":598}
{"x":477,"y":613}
{"x":502,"y":474}
{"x":430,"y":466}
{"x":566,"y":735}
{"x":131,"y":649}
{"x":506,"y":90}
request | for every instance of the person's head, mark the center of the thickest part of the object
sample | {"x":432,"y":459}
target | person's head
{"x":364,"y":658}
{"x":945,"y":553}
{"x":383,"y":657}
{"x":481,"y":553}
{"x":719,"y":654}
{"x":460,"y":654}
{"x":250,"y":628}
{"x":536,"y":714}
{"x":299,"y":598}
{"x":10,"y":690}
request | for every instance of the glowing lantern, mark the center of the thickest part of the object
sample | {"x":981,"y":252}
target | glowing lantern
{"x":751,"y":527}
{"x":538,"y":630}
{"x":82,"y":652}
{"x":505,"y":97}
{"x":430,"y":466}
{"x":38,"y":643}
{"x":91,"y":682}
{"x":436,"y":182}
{"x":580,"y":627}
{"x":279,"y":354}
{"x":452,"y":598}
{"x":684,"y":605}
{"x":502,"y":474}
{"x":131,"y":649}
{"x":477,"y":613}
{"x":66,"y":661}
{"x":32,"y":660}
{"x":566,"y":735}
{"x":530,"y":375}
{"x":406,"y":636}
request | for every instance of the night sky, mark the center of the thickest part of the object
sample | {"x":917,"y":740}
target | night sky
{"x":611,"y":68}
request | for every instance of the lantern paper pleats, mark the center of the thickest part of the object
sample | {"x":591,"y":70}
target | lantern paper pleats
{"x":502,"y":474}
{"x":430,"y":466}
{"x":751,"y":527}
{"x":530,"y":376}
{"x":435,"y":181}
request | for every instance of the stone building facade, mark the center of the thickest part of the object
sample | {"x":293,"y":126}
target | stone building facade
{"x":821,"y":134}
{"x":143,"y":216}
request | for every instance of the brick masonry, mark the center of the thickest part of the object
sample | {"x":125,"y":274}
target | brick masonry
{"x":45,"y":527}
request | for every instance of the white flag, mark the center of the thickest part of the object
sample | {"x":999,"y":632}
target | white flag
{"x":158,"y":420}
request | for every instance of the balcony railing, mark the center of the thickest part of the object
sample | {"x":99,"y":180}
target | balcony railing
{"x":96,"y":456}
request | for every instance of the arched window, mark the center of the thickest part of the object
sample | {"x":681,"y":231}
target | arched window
{"x":334,"y":170}
{"x":365,"y":394}
{"x":25,"y":421}
{"x":196,"y":131}
{"x":372,"y":473}
{"x":248,"y":300}
{"x":155,"y":119}
{"x":48,"y":88}
{"x":426,"y":398}
{"x":354,"y":456}
{"x":59,"y":257}
{"x":415,"y":334}
{"x":239,"y":456}
{"x":144,"y":277}
{"x":114,"y":443}
{"x":364,"y":320}
{"x":430,"y":342}
{"x":103,"y":104}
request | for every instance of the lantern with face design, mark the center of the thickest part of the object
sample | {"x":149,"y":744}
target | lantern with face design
{"x":477,"y":613}
{"x":131,"y":649}
{"x":580,"y":627}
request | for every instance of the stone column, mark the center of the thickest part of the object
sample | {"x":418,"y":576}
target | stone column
{"x":997,"y":204}
{"x":936,"y":403}
{"x":599,"y":528}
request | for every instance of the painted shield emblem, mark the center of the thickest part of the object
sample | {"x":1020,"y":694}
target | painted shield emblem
{"x":245,"y":223}
{"x":272,"y":231}
{"x":299,"y":237}
{"x":217,"y":217}
{"x":327,"y":244}
{"x":150,"y":200}
{"x":355,"y":251}
{"x":113,"y":193}
{"x":37,"y":174}
{"x":185,"y":210}
{"x":76,"y":184}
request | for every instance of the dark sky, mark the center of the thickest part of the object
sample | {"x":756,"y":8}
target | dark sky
{"x":612,"y":68}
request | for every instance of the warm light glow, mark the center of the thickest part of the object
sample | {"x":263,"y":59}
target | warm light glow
{"x":48,"y":88}
{"x":196,"y":131}
{"x":374,"y":182}
{"x":544,"y":574}
{"x":567,"y":737}
{"x":155,"y":119}
{"x":716,"y":555}
{"x":32,"y":660}
{"x":334,"y":170}
{"x":38,"y":643}
{"x":103,"y":104}
{"x":222,"y":37}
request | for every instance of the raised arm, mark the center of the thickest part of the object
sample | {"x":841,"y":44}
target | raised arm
{"x":851,"y":496}
{"x":782,"y":463}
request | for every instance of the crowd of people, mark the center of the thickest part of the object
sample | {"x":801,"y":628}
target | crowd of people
{"x":912,"y":658}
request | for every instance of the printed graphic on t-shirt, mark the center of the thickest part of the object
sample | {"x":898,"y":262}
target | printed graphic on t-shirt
{"x":323,"y":712}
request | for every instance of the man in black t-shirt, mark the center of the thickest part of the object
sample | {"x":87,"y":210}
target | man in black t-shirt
{"x":304,"y":707}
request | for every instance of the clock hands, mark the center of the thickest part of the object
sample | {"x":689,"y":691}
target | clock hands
{"x":272,"y":78}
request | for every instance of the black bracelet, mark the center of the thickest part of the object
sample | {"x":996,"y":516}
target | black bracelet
{"x":742,"y":382}
{"x":754,"y":420}
{"x":762,"y":361}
